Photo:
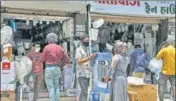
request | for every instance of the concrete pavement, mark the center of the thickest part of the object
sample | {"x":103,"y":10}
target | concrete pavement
{"x":61,"y":99}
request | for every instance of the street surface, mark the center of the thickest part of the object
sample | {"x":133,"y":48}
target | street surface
{"x":61,"y":99}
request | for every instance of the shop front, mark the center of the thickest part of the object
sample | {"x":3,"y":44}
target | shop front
{"x":147,"y":23}
{"x":30,"y":23}
{"x":124,"y":19}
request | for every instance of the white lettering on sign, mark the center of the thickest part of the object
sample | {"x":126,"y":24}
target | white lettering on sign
{"x":135,"y":8}
{"x":126,"y":2}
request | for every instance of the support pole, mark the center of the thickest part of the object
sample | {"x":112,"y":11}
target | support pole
{"x":21,"y":92}
{"x":90,"y":49}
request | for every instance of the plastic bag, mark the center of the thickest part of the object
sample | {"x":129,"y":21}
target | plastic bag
{"x":6,"y":35}
{"x":23,"y":68}
{"x":98,"y":23}
{"x":155,"y":66}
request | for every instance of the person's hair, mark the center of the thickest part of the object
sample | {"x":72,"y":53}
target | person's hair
{"x":52,"y":38}
{"x":120,"y":46}
{"x":36,"y":43}
{"x":137,"y":46}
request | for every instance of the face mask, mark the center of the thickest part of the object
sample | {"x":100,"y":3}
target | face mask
{"x":37,"y":49}
{"x":86,"y":43}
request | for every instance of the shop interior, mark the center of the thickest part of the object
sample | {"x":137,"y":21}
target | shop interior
{"x":133,"y":33}
{"x":149,"y":35}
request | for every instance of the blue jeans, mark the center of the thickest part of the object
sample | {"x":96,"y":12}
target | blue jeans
{"x":52,"y":76}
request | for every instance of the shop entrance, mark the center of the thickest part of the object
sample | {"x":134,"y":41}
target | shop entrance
{"x":29,"y":29}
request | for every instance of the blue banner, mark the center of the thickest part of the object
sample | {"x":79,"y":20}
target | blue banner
{"x":101,"y":65}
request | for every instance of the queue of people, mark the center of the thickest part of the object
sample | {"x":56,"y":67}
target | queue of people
{"x":139,"y":61}
{"x":54,"y":58}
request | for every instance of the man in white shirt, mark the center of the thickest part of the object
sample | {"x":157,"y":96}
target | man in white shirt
{"x":83,"y":60}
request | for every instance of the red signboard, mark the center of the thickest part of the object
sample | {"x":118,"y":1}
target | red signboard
{"x":5,"y":65}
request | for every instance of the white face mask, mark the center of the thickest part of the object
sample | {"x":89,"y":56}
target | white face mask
{"x":37,"y":49}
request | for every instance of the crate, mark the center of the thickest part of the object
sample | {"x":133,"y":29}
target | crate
{"x":146,"y":92}
{"x":7,"y":95}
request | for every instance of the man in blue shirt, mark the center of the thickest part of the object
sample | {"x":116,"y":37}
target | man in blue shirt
{"x":138,"y":62}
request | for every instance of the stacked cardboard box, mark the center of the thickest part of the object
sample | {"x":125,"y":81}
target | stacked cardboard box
{"x":145,"y":92}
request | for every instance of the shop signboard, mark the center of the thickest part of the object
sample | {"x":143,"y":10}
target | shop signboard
{"x":135,"y":8}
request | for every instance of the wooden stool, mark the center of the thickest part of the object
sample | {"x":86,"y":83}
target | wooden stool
{"x":7,"y":95}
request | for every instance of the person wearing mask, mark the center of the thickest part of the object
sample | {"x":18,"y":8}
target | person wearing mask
{"x":167,"y":54}
{"x":54,"y":57}
{"x":36,"y":69}
{"x":138,"y":62}
{"x":117,"y":73}
{"x":83,"y":60}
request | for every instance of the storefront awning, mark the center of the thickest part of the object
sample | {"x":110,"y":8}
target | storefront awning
{"x":34,"y":17}
{"x":128,"y":19}
{"x":43,"y":7}
{"x":125,"y":19}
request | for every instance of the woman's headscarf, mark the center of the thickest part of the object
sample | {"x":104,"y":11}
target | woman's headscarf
{"x":119,"y":48}
{"x":52,"y":38}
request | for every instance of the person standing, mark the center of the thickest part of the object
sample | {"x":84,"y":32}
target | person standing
{"x":138,"y":62}
{"x":118,"y":74}
{"x":167,"y":54}
{"x":54,"y":57}
{"x":103,"y":48}
{"x":37,"y":69}
{"x":83,"y":60}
